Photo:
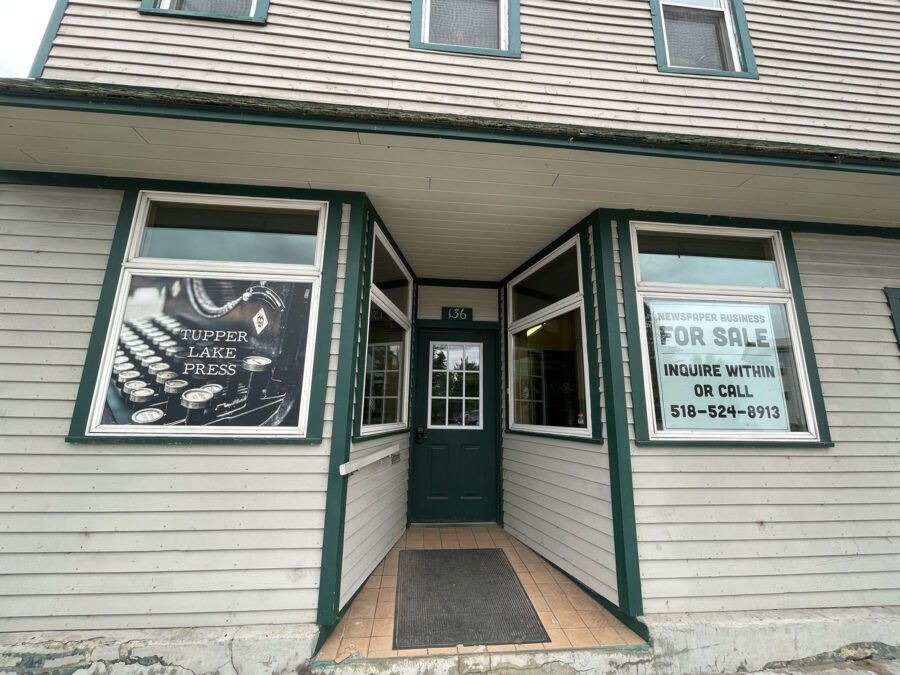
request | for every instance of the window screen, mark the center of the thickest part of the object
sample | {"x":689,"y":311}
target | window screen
{"x":469,"y":23}
{"x":227,"y":7}
{"x":697,"y":38}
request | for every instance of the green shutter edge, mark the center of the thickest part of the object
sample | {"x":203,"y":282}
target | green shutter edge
{"x":327,"y":612}
{"x":893,"y":298}
{"x":318,"y":372}
{"x":43,"y":51}
{"x":628,"y":575}
{"x":632,"y":322}
{"x":513,"y":51}
{"x":580,"y":231}
{"x":371,"y":218}
{"x":260,"y":15}
{"x":748,"y":67}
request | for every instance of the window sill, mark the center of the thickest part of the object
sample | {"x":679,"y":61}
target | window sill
{"x":646,"y":443}
{"x":374,"y":434}
{"x":189,"y":440}
{"x":580,"y":438}
{"x":472,"y":51}
{"x":752,"y":75}
{"x":181,"y":13}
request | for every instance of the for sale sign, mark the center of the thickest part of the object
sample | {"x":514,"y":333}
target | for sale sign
{"x":717,"y":366}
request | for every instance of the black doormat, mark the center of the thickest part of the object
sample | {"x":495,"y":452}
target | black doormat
{"x":462,"y":597}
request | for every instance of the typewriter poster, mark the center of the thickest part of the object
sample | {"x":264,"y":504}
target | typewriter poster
{"x":209,"y":353}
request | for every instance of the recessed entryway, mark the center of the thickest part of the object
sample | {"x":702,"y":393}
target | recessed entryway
{"x":570,"y":616}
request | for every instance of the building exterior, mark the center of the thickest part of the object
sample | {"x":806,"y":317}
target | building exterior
{"x":622,"y":277}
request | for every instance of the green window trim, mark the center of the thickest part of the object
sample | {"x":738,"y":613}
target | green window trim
{"x":513,"y":48}
{"x":259,"y":16}
{"x":579,"y":231}
{"x":747,"y":66}
{"x":322,"y":350}
{"x":893,"y":298}
{"x":634,"y":328}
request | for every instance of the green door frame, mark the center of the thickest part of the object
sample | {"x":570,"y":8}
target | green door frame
{"x":475,"y":329}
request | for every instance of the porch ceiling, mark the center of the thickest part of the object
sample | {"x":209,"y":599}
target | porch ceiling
{"x":458,"y":209}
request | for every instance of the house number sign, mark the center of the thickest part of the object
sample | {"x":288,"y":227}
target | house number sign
{"x":457,"y":313}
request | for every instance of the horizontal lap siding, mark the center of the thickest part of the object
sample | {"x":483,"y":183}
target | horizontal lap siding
{"x":762,"y":528}
{"x":376,"y":511}
{"x":98,"y":537}
{"x":556,"y":499}
{"x":827,"y":73}
{"x":483,"y":302}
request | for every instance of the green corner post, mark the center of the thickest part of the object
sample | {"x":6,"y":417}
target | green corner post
{"x":628,"y":575}
{"x":342,"y":429}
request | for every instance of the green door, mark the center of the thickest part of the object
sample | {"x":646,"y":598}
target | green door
{"x":454,"y":452}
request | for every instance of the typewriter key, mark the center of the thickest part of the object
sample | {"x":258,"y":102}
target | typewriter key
{"x":157,"y":367}
{"x":126,"y":375}
{"x":165,"y":344}
{"x":214,"y":388}
{"x":196,"y":401}
{"x":122,"y":366}
{"x":120,"y":359}
{"x":138,"y":398}
{"x":256,"y":364}
{"x":173,"y":349}
{"x":165,"y":376}
{"x":176,"y":386}
{"x":144,"y":353}
{"x":147,"y":416}
{"x":131,"y":385}
{"x":150,"y":359}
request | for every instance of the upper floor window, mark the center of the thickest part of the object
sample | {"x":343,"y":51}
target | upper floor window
{"x":702,"y":37}
{"x":253,"y":11}
{"x":486,"y":27}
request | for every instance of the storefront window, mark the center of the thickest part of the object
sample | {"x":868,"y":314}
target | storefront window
{"x":548,"y":388}
{"x":722,"y":354}
{"x":386,"y":383}
{"x":211,"y":334}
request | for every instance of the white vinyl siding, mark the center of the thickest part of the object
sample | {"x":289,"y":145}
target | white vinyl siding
{"x":128,"y":536}
{"x":734,"y":528}
{"x":556,"y":496}
{"x":827,"y":71}
{"x":376,"y":510}
{"x":482,"y":300}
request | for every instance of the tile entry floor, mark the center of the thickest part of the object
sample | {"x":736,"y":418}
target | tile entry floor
{"x":570,"y":616}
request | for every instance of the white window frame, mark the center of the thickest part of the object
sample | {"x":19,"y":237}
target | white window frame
{"x":574,"y":301}
{"x":463,"y":426}
{"x":133,"y":264}
{"x":503,"y":40}
{"x":781,"y":295}
{"x":167,"y":4}
{"x":731,"y":30}
{"x":377,"y":297}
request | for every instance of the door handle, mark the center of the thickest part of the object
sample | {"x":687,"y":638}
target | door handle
{"x":420,"y":435}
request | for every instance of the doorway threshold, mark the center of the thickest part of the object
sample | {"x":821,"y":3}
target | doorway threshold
{"x":363,"y":640}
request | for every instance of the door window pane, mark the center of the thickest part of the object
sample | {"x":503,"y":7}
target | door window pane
{"x":556,"y":280}
{"x":455,"y":385}
{"x":232,"y":234}
{"x":708,"y":260}
{"x":548,"y":379}
{"x":467,"y":23}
